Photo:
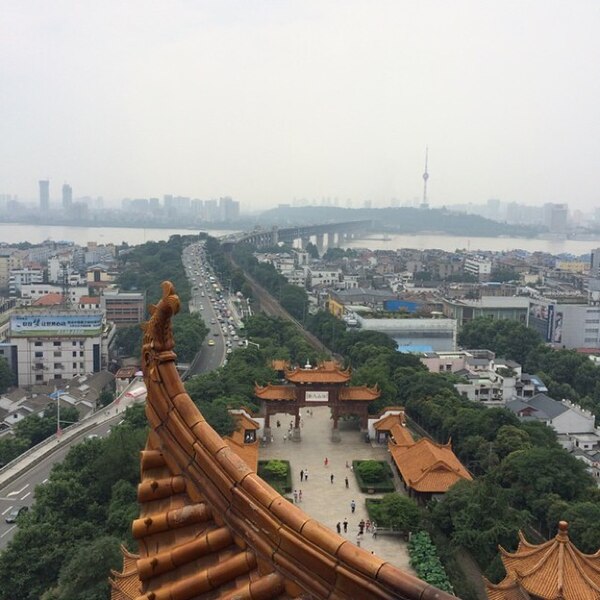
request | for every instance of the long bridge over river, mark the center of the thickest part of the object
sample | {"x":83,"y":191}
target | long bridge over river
{"x":328,"y":234}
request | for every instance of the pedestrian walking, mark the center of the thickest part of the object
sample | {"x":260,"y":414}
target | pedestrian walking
{"x":299,"y":495}
{"x":278,"y":423}
{"x":361,"y":527}
{"x":302,"y":475}
{"x":374,"y":532}
{"x":353,"y":506}
{"x":347,"y":483}
{"x":284,"y":438}
{"x":295,"y":496}
{"x":331,"y":478}
{"x":305,"y":474}
{"x":358,"y":540}
{"x":326,"y":461}
{"x":345,"y":525}
{"x":339,"y":527}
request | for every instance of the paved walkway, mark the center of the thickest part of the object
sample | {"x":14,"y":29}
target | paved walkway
{"x":329,"y":502}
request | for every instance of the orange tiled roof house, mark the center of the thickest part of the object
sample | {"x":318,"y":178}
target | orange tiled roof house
{"x":307,"y":387}
{"x":210,"y":528}
{"x":426,"y":469}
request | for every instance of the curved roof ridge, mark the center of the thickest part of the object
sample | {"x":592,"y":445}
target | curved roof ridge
{"x":298,"y":547}
{"x":576,"y":557}
{"x":556,"y":565}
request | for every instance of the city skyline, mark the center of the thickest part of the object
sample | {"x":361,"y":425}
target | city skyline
{"x":267,"y":102}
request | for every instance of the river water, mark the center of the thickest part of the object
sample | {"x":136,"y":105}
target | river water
{"x":14,"y":233}
{"x":11,"y":233}
{"x":452,"y":242}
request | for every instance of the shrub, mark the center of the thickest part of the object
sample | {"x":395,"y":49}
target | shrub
{"x":425,"y":561}
{"x":377,"y":483}
{"x":276,"y":469}
{"x":371,"y":471}
{"x":277,"y":474}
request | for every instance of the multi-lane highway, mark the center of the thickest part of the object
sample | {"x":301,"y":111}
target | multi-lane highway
{"x":211,"y":302}
{"x":21,"y":491}
{"x":206,"y":301}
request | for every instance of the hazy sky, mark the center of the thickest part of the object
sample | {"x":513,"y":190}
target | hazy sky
{"x":270,"y":101}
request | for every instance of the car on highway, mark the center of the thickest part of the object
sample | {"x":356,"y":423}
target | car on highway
{"x":15,"y":513}
{"x":211,"y":342}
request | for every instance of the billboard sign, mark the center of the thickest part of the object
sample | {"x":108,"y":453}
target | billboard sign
{"x":32,"y":325}
{"x":317,"y":396}
{"x":539,"y":318}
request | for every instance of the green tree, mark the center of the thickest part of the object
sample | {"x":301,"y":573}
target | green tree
{"x":478,"y":516}
{"x":276,"y":469}
{"x":6,"y":375}
{"x":534,"y":472}
{"x":510,"y":439}
{"x":105,"y":398}
{"x":312,"y":250}
{"x":84,"y":579}
{"x":398,"y":512}
{"x":506,"y":338}
{"x":371,"y":471}
{"x":219,"y":418}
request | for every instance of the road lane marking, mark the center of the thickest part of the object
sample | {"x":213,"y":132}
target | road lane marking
{"x":9,"y":508}
{"x":18,"y":491}
{"x":7,"y":531}
{"x":25,"y":496}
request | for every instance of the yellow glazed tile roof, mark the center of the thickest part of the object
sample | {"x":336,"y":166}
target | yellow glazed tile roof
{"x":428,"y":467}
{"x":554,"y":570}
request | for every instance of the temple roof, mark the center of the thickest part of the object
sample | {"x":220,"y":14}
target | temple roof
{"x":401,"y":435}
{"x":275,"y":392}
{"x":247,"y":451}
{"x":360,"y":392}
{"x":386,"y":423}
{"x":280,"y":364}
{"x":328,"y":371}
{"x":553,"y":570}
{"x":428,"y":467}
{"x":211,"y":528}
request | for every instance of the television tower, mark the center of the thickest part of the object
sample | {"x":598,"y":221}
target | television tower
{"x":425,"y":204}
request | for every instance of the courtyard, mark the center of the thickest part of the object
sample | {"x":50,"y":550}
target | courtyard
{"x":330,"y":501}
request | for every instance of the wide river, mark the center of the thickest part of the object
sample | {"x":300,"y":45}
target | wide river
{"x":14,"y":233}
{"x":452,"y":242}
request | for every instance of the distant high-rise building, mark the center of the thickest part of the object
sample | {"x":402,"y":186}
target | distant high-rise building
{"x":425,"y":203}
{"x":555,"y":217}
{"x":595,"y":263}
{"x":67,"y":196}
{"x":44,"y":194}
{"x":229,"y":209}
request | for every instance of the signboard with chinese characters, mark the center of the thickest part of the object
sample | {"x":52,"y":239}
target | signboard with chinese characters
{"x":32,"y":325}
{"x":317,"y":396}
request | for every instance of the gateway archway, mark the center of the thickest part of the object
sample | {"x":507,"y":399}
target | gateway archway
{"x":327,"y":384}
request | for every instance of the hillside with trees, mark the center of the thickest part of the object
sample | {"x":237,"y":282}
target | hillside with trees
{"x":396,"y":220}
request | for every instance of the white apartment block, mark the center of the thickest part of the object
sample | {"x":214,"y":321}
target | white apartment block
{"x":57,"y":344}
{"x":35,"y":291}
{"x":20,"y":277}
{"x":479,"y":266}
